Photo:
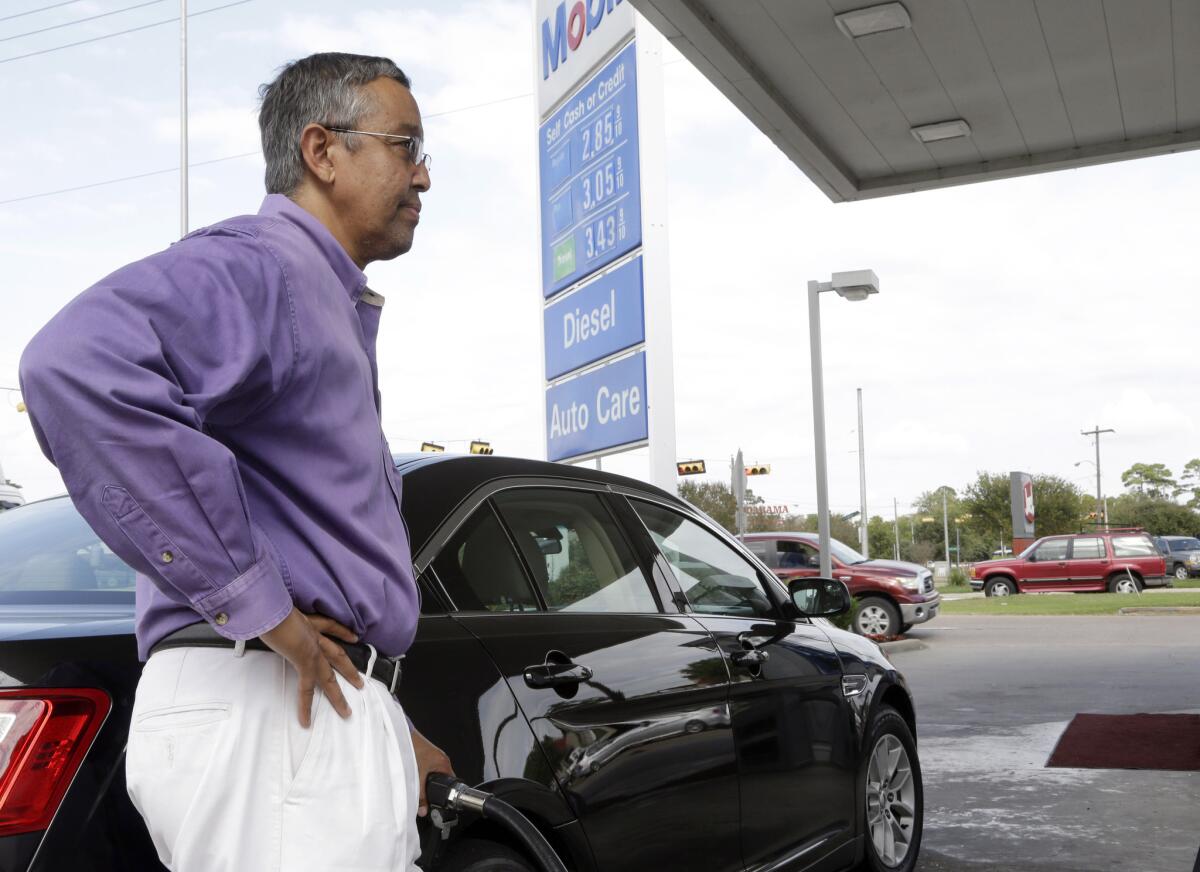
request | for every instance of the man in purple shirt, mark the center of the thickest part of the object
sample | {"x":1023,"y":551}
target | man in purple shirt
{"x":214,"y":412}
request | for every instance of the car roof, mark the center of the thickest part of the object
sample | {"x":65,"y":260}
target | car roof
{"x":437,"y":483}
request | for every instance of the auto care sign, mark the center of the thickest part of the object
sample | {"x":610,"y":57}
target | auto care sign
{"x":1023,"y":513}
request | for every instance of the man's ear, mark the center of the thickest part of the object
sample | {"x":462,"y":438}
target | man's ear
{"x":315,"y":143}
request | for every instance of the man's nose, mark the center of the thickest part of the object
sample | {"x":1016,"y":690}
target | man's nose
{"x":421,"y":179}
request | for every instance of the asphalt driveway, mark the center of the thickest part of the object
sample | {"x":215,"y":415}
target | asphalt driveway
{"x":993,"y":696}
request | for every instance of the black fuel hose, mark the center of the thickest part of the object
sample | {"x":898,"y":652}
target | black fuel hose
{"x":447,"y":792}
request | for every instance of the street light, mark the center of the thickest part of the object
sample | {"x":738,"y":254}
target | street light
{"x":855,"y":285}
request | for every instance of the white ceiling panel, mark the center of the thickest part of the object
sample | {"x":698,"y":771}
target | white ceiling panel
{"x":1043,"y":84}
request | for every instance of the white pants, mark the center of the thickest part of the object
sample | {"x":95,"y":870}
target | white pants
{"x":228,"y":781}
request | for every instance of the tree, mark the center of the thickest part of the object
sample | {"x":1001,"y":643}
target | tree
{"x":1189,"y":482}
{"x":1058,"y":505}
{"x":1151,"y":480}
{"x":1159,"y":517}
{"x":714,"y":498}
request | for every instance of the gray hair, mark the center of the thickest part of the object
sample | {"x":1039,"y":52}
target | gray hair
{"x":324,"y":88}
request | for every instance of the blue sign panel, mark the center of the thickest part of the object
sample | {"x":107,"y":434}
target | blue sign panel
{"x":599,"y":319}
{"x":591,"y":185}
{"x":602,"y":409}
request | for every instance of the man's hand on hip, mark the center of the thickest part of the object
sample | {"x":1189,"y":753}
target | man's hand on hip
{"x":303,"y":640}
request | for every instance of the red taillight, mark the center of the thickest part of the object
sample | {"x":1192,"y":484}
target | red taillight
{"x":44,"y":735}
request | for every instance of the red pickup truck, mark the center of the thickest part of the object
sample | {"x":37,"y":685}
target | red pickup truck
{"x":1117,"y":561}
{"x":892,"y":595}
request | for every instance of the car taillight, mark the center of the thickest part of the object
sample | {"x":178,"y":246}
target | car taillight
{"x":44,"y":735}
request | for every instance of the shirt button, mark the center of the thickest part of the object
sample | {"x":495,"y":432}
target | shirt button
{"x":222,"y":619}
{"x":167,"y":557}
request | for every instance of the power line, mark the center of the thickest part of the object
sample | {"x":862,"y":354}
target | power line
{"x":119,"y":33}
{"x":39,"y":9}
{"x":80,"y":20}
{"x":174,"y":169}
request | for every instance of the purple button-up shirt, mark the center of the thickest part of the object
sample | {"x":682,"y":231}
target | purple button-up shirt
{"x":214,"y":412}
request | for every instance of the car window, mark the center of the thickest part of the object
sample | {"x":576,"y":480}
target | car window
{"x":1087,"y":549}
{"x":1052,"y":549}
{"x":715,"y":579}
{"x":797,"y":555}
{"x":1185,"y":544}
{"x":579,"y":557}
{"x":1133,"y":546}
{"x":50,"y":551}
{"x":480,"y":570}
{"x":765,"y":550}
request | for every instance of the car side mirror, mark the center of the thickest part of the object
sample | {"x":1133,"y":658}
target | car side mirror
{"x":820,"y":597}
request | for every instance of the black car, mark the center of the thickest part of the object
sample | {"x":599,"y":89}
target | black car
{"x":591,"y":649}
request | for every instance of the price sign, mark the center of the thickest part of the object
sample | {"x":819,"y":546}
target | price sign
{"x":590,"y":183}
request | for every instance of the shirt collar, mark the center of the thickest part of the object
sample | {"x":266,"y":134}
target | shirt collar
{"x":347,"y":271}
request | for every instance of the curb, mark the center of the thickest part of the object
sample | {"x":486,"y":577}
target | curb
{"x":1160,"y":610}
{"x":907,"y":645}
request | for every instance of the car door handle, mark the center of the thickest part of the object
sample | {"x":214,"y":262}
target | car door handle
{"x":556,"y":675}
{"x":753,"y":657}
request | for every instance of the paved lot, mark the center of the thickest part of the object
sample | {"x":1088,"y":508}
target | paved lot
{"x":993,"y":696}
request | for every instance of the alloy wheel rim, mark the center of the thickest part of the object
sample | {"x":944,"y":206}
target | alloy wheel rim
{"x":1000,"y":589}
{"x":873,"y":620}
{"x":1181,"y":573}
{"x":1125,"y":585}
{"x":891,"y":800}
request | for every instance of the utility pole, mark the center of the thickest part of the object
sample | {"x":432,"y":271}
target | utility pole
{"x":183,"y":121}
{"x":1100,"y":508}
{"x":863,"y":541}
{"x":896,"y":524}
{"x":738,"y":485}
{"x":946,"y":531}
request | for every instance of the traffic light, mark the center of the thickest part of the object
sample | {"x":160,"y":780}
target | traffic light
{"x":690,"y":467}
{"x":759,"y":469}
{"x":432,"y":448}
{"x":478,"y":447}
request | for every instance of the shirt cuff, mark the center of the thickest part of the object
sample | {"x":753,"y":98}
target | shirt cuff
{"x":250,"y":605}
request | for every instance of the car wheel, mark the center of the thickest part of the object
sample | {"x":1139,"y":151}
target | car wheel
{"x":891,"y":795}
{"x":1123,"y":582}
{"x":1181,"y":572}
{"x":999,"y":587}
{"x":481,"y":855}
{"x":694,"y":726}
{"x":876,"y":617}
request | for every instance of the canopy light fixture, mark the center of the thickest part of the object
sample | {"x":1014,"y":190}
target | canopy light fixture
{"x":873,"y":19}
{"x":955,"y":129}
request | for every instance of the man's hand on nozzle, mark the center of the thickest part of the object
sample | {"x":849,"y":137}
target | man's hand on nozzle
{"x":304,"y":641}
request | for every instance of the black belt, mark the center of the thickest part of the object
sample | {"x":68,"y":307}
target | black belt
{"x":384,"y":669}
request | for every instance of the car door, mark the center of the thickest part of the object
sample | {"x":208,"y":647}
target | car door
{"x":1088,"y":563}
{"x":627,"y":700}
{"x":1048,"y":569}
{"x":793,"y":728}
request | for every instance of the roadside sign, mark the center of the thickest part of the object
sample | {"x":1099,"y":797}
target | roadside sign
{"x":590,"y":178}
{"x":598,"y":410}
{"x":595,"y":321}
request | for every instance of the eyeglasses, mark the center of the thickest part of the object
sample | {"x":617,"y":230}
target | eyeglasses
{"x":412,"y":144}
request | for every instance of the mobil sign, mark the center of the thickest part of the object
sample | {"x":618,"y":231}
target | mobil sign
{"x":1024,"y":515}
{"x":572,"y":37}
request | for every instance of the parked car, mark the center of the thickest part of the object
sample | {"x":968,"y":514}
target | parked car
{"x":1115,"y":560}
{"x":703,"y":722}
{"x":892,"y":595}
{"x":1181,"y":553}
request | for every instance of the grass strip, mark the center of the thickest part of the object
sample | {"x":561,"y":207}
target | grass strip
{"x":1063,"y":604}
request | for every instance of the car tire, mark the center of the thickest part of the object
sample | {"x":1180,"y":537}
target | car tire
{"x":482,"y":855}
{"x":1123,"y":582}
{"x":892,"y":802}
{"x":1000,"y":587}
{"x":904,"y":628}
{"x":876,"y":617}
{"x":1181,"y":572}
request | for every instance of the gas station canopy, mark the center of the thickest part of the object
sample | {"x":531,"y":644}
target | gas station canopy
{"x":877,"y":99}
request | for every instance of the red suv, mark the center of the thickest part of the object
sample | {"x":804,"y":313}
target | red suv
{"x":892,"y":596}
{"x":1117,"y":561}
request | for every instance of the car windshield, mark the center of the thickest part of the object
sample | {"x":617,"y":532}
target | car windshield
{"x":845,"y":553}
{"x":1189,"y":544}
{"x":50,"y":555}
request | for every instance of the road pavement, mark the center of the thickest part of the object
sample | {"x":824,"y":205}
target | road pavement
{"x":994,"y":694}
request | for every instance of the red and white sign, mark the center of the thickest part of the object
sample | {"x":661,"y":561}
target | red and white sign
{"x":1028,"y":491}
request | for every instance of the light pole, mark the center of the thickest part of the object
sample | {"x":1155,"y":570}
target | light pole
{"x":862,"y":485}
{"x":946,"y":530}
{"x":855,"y":285}
{"x":1096,"y":433}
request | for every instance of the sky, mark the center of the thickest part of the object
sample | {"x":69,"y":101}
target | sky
{"x":1012,"y":314}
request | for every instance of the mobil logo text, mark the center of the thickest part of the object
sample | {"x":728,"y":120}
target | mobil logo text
{"x":565,"y":29}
